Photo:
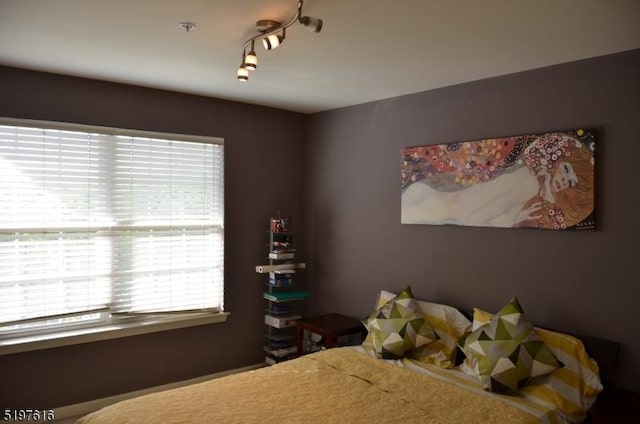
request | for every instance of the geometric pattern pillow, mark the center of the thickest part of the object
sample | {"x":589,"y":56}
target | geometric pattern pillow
{"x":572,"y":389}
{"x":507,"y":352}
{"x":398,"y":327}
{"x":449,"y":324}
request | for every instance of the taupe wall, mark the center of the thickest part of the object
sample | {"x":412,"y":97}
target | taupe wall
{"x":263,"y":152}
{"x":581,"y":282}
{"x":341,"y":180}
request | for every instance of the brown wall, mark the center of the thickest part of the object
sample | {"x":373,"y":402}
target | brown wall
{"x":263,"y":151}
{"x":580,"y":282}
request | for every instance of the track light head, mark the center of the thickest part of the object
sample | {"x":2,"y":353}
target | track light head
{"x":251,"y":59}
{"x":272,"y":41}
{"x":243,"y":74}
{"x":311,"y":23}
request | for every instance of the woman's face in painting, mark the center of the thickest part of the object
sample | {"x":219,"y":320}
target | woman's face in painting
{"x":565,"y":177}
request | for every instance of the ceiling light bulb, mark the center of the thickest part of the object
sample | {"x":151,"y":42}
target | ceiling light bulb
{"x":251,"y":61}
{"x":272,"y":41}
{"x":312,"y":24}
{"x":243,"y":74}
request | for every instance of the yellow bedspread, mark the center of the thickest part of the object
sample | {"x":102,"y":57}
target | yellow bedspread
{"x":333,"y":386}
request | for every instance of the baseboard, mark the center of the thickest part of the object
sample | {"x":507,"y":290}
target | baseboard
{"x":84,"y":408}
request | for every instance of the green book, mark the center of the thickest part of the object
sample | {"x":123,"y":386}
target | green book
{"x":284,"y":296}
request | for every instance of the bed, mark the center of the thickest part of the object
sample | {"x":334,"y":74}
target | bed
{"x":357,"y":384}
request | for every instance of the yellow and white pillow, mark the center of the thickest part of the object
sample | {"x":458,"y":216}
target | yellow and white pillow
{"x":571,"y":389}
{"x":449,"y":324}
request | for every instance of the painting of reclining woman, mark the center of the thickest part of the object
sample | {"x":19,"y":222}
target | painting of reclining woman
{"x":536,"y":181}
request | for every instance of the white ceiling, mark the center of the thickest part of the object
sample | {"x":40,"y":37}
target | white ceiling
{"x":368,"y":49}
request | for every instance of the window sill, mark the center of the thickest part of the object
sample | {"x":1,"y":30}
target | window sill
{"x":113,"y":331}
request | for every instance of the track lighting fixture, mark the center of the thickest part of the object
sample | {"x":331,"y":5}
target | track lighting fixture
{"x":273,"y":34}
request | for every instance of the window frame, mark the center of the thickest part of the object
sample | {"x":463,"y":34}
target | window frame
{"x":112,"y":326}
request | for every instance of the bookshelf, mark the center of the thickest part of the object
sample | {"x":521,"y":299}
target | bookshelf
{"x":281,"y":294}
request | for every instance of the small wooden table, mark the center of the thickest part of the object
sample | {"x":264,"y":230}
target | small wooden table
{"x":330,"y":327}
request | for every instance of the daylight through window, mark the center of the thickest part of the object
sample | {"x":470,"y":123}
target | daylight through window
{"x":101,"y":225}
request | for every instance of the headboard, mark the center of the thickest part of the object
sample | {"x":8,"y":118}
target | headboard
{"x":606,"y":354}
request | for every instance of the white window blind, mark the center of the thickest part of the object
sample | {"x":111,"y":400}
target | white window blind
{"x":94,"y":222}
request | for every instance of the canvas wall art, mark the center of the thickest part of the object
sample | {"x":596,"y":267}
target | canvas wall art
{"x":533,"y":181}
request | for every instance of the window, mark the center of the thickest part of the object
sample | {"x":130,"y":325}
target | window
{"x":99,"y":226}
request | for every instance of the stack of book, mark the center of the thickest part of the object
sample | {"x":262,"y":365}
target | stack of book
{"x":277,"y":279}
{"x":281,"y":314}
{"x":281,"y":321}
{"x":281,"y":254}
{"x":279,"y":309}
{"x":282,"y":352}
